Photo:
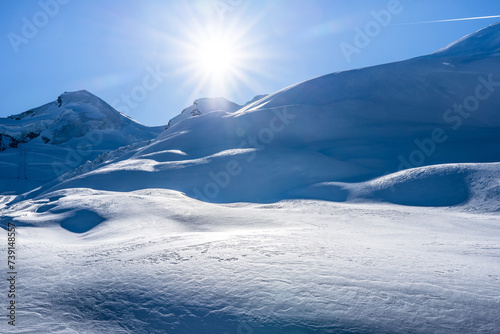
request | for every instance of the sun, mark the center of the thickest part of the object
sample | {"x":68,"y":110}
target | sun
{"x":217,"y":58}
{"x":217,"y":62}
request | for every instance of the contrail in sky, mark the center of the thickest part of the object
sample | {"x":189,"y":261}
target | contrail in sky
{"x":452,"y":20}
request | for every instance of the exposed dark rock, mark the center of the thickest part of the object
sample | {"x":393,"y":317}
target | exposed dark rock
{"x":7,"y":141}
{"x":25,"y":114}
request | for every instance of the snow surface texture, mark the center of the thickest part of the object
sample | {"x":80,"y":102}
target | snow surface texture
{"x":164,"y":263}
{"x":312,"y":219}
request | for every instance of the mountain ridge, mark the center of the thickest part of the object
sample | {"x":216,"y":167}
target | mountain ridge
{"x":60,"y":136}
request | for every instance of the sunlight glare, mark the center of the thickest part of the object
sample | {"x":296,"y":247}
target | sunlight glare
{"x":217,"y":58}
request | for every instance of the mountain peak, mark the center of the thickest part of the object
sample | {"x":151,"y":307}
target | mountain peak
{"x":63,"y":134}
{"x":78,"y":92}
{"x":482,"y":43}
{"x":205,"y":105}
{"x":72,"y":115}
{"x":81,"y":97}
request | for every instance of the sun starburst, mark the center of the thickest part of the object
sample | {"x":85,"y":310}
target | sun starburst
{"x":217,"y":58}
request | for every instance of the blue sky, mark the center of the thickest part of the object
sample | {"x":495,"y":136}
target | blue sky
{"x":149,"y":58}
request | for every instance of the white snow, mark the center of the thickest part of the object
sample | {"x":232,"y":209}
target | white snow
{"x":162,"y":262}
{"x":299,"y":212}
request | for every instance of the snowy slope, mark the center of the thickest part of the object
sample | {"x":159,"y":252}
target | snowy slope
{"x":60,"y":136}
{"x":485,"y":42}
{"x":360,"y":240}
{"x":155,"y":261}
{"x":345,"y":127}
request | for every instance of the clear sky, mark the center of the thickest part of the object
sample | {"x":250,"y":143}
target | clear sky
{"x":152,"y":58}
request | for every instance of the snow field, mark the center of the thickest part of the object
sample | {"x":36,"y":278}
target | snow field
{"x":162,"y":262}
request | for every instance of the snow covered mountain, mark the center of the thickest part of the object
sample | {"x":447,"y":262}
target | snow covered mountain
{"x":348,"y":127}
{"x":61,"y":135}
{"x":73,"y":115}
{"x":387,"y":188}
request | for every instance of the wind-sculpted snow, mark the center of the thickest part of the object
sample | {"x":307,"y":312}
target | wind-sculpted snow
{"x":473,"y":186}
{"x":162,"y":262}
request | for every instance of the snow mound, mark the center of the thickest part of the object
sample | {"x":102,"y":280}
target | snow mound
{"x":473,"y":186}
{"x":443,"y":185}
